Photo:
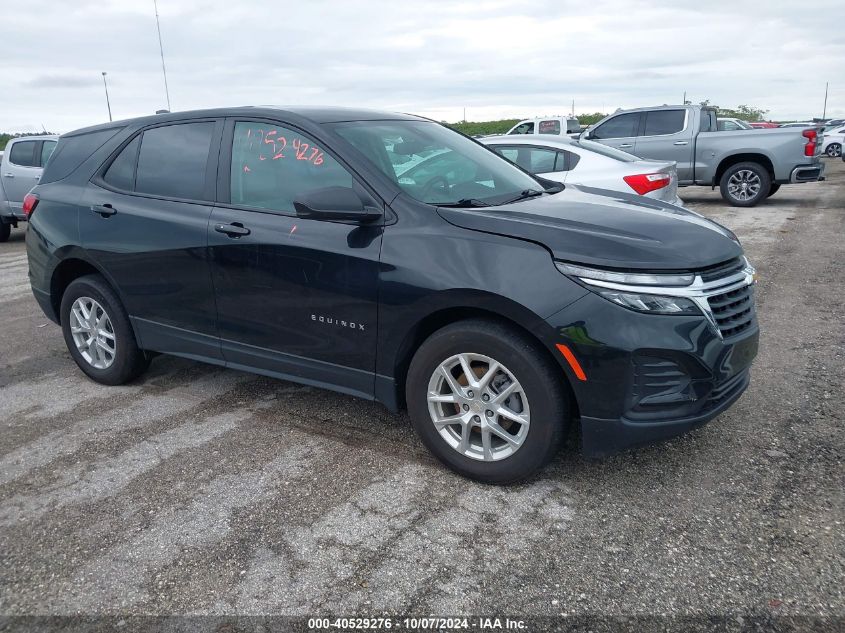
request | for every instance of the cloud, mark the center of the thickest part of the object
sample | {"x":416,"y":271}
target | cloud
{"x":497,"y":58}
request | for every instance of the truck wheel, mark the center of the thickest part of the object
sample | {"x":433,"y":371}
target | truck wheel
{"x":98,"y":334}
{"x":5,"y":231}
{"x":773,"y":189}
{"x":487,"y":401}
{"x":745,"y":184}
{"x":833,"y":150}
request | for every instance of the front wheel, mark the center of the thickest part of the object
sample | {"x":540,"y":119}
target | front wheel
{"x":745,"y":184}
{"x":98,"y":334}
{"x":5,"y":231}
{"x":834,"y":150}
{"x":773,"y":190}
{"x":487,"y":401}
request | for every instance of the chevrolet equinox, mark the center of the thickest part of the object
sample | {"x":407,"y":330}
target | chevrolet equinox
{"x":388,"y":257}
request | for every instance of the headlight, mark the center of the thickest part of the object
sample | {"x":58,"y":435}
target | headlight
{"x":633,"y":279}
{"x":655,"y":304}
{"x":602,"y":282}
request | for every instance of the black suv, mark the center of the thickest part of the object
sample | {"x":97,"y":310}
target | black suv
{"x":391,"y":258}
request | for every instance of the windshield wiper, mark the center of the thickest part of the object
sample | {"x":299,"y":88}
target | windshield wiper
{"x":465,"y":202}
{"x":527,"y":193}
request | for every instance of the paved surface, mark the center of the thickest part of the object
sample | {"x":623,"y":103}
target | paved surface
{"x":201,"y":490}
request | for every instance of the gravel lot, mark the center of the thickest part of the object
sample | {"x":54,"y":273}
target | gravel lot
{"x":208,"y":491}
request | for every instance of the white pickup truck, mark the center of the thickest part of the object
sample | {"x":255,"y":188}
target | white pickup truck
{"x":20,"y":168}
{"x":747,"y":165}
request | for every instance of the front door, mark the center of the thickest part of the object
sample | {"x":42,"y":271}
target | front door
{"x":294,"y":296}
{"x":144,"y":219}
{"x":619,"y":132}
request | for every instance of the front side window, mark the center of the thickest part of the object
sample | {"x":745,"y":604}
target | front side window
{"x":524,"y":128}
{"x":172,"y":160}
{"x":549,"y":127}
{"x":434,"y":164}
{"x":47,"y":149}
{"x":272,"y":165}
{"x":23,"y":154}
{"x":622,"y":126}
{"x":661,"y":122}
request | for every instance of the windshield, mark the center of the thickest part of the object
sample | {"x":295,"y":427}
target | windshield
{"x":604,"y":150}
{"x":436,"y":165}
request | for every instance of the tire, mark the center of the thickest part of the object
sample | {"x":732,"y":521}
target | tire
{"x":773,"y":189}
{"x":5,"y":231}
{"x":538,"y":395}
{"x":125,"y":361}
{"x":757,"y":180}
{"x":834,"y":150}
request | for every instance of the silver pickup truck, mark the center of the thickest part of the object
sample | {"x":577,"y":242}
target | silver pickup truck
{"x":747,"y":165}
{"x":20,"y":168}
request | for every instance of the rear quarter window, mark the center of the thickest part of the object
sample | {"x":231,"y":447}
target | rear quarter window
{"x":72,"y":151}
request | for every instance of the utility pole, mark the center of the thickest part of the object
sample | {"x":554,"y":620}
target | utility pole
{"x":161,"y":50}
{"x":573,"y":107}
{"x":685,"y":98}
{"x":824,"y":112}
{"x":105,"y":85}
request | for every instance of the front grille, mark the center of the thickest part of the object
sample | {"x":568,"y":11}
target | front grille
{"x":733,"y":311}
{"x":725,"y":269}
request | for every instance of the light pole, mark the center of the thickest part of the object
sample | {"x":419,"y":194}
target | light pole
{"x":106,"y":86}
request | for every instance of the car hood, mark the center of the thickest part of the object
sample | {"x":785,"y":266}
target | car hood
{"x":607,"y":228}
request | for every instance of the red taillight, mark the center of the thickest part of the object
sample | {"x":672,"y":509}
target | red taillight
{"x":643,"y":183}
{"x":30,"y":201}
{"x":810,"y":147}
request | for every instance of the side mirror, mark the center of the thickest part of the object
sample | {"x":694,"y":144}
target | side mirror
{"x":334,"y":203}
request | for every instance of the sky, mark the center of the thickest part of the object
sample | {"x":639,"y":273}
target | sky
{"x":493,"y":58}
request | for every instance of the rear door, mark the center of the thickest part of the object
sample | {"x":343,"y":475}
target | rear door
{"x":144,"y":218}
{"x":21,"y":171}
{"x":666,"y":135}
{"x":619,"y":131}
{"x":294,"y":296}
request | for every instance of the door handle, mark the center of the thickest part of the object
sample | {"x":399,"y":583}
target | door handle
{"x":9,"y":175}
{"x":627,"y":145}
{"x":681,"y":143}
{"x":104,"y":210}
{"x":235,"y":229}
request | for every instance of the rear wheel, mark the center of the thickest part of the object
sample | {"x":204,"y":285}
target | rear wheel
{"x":773,"y":189}
{"x":745,"y":184}
{"x":487,"y":401}
{"x":5,"y":231}
{"x":98,"y":334}
{"x":834,"y":150}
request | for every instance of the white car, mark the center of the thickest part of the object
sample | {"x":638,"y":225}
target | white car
{"x":581,"y":162}
{"x":833,"y":140}
{"x":727,"y":124}
{"x":554,"y":125}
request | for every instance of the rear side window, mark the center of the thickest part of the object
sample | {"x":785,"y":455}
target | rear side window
{"x":23,"y":154}
{"x":47,"y":150}
{"x":272,"y":165}
{"x":172,"y":160}
{"x":621,"y":126}
{"x":549,"y":127}
{"x":121,"y":173}
{"x":566,"y":161}
{"x":72,"y":151}
{"x":660,"y":122}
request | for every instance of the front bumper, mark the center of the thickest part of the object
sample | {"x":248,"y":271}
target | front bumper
{"x":648,"y":376}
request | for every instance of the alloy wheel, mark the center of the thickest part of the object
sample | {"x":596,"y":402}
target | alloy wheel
{"x":478,"y":407}
{"x":744,"y":185}
{"x":93,"y":333}
{"x":834,"y":150}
